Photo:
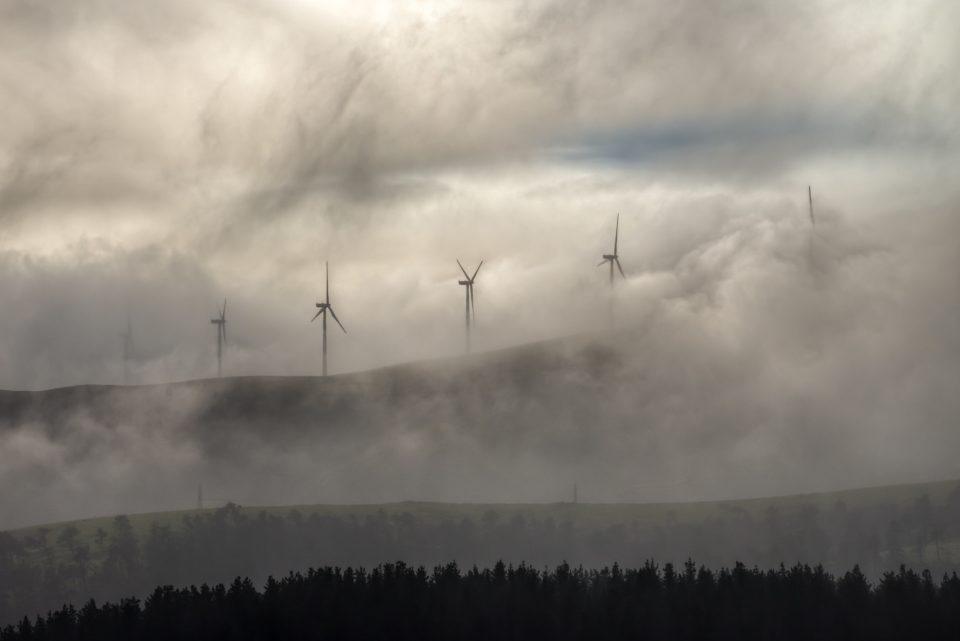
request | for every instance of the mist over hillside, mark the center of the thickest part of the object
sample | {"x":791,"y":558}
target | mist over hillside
{"x":619,"y":414}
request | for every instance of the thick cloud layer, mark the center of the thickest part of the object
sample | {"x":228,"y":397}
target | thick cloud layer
{"x":763,"y":358}
{"x":157,"y":158}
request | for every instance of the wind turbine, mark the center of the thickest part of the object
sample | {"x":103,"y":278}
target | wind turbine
{"x":471,"y":310}
{"x":221,"y":323}
{"x":613,"y":258}
{"x":323,"y":308}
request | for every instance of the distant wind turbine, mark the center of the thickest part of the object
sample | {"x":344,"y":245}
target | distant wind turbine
{"x":813,"y":222}
{"x":323,"y":308}
{"x":613,"y":258}
{"x":471,"y":310}
{"x":221,"y":323}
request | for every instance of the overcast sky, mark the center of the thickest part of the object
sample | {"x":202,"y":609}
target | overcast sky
{"x":157,"y":157}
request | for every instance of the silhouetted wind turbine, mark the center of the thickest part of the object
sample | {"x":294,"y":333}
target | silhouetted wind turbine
{"x":813,"y":222}
{"x":613,"y":258}
{"x":471,"y":310}
{"x":324,"y":307}
{"x":221,"y":323}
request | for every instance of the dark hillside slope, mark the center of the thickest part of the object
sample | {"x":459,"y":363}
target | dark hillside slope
{"x":393,"y":433}
{"x":619,"y":416}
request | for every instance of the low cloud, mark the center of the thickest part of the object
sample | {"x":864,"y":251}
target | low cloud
{"x":757,"y":356}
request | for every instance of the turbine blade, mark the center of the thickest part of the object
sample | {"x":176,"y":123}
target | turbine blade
{"x":334,"y":314}
{"x":223,"y":328}
{"x":465,"y":274}
{"x":616,"y":235}
{"x":476,"y":272}
{"x":810,"y":198}
{"x":602,"y":262}
{"x":318,"y":314}
{"x":223,"y":313}
{"x":619,"y":267}
{"x":473,"y":305}
{"x":327,"y":263}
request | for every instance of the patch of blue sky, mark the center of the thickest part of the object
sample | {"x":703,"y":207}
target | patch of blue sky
{"x":647,"y":143}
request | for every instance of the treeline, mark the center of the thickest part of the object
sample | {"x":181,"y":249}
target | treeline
{"x":50,"y":568}
{"x":400,"y":602}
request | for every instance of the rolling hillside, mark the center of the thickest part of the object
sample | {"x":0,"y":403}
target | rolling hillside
{"x":522,"y":425}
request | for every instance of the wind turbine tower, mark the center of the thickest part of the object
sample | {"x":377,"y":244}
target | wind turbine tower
{"x":323,"y":308}
{"x":471,"y":310}
{"x":221,"y":323}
